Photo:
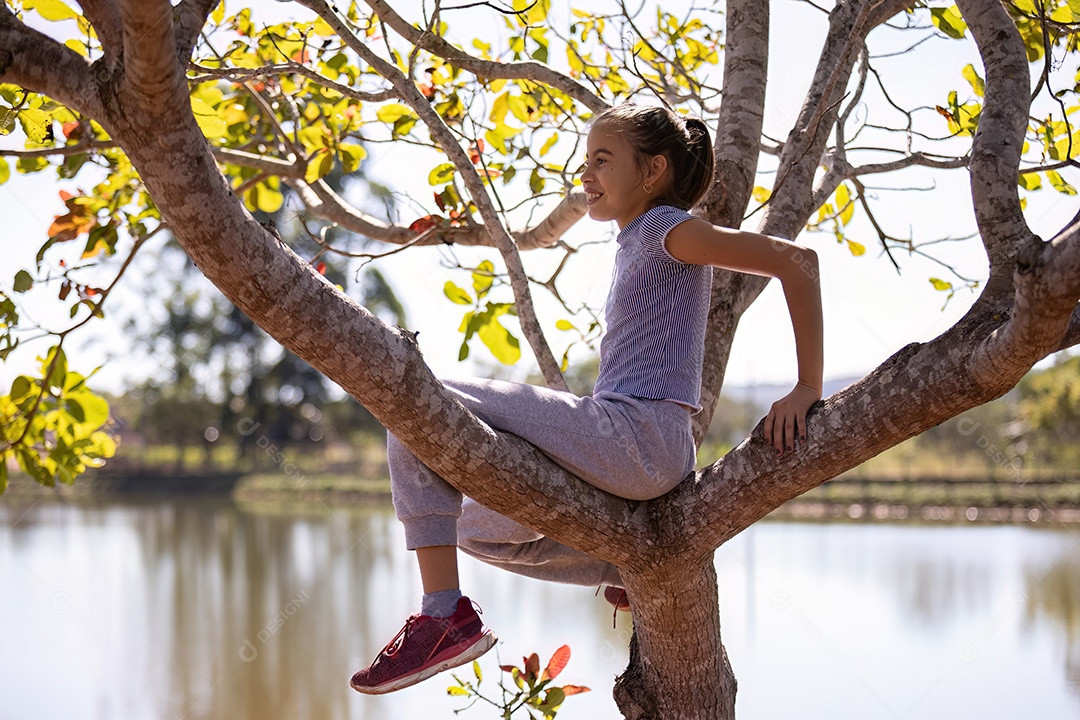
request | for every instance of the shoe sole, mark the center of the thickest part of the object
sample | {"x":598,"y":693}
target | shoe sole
{"x":481,"y":646}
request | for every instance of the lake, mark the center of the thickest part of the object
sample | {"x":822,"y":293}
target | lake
{"x":199,"y":608}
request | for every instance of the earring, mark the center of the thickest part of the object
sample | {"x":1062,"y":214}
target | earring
{"x":647,"y":187}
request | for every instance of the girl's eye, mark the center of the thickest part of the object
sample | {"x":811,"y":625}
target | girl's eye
{"x":581,"y":168}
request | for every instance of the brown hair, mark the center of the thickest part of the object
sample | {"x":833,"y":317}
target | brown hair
{"x":683,"y":141}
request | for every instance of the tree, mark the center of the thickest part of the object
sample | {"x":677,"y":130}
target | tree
{"x":285,"y":117}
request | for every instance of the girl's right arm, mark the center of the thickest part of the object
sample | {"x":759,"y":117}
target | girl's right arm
{"x":701,"y":243}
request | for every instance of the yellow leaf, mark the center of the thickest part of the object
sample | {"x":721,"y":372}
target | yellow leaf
{"x":940,"y":284}
{"x":845,"y":205}
{"x":78,"y":46}
{"x":761,"y":194}
{"x":564,"y":325}
{"x":548,"y":144}
{"x":392,"y":112}
{"x":54,"y":10}
{"x":219,"y":13}
{"x":856,"y":249}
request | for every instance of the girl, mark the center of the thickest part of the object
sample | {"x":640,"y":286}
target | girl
{"x":632,"y":437}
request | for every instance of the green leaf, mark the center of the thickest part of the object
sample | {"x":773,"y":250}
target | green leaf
{"x":21,"y":388}
{"x":949,"y":21}
{"x":319,"y":166}
{"x":351,"y":155}
{"x":482,"y":278}
{"x":456,"y":294}
{"x":393,"y":112}
{"x":536,"y":182}
{"x":3,"y":473}
{"x":1059,"y":183}
{"x":23,"y":281}
{"x":211,"y":124}
{"x":1030,"y":181}
{"x":499,"y":341}
{"x":36,"y":124}
{"x":441,"y":174}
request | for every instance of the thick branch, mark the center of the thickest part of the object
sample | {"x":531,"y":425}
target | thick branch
{"x":153,"y":77}
{"x":999,"y":141}
{"x":528,"y":70}
{"x":738,"y":143}
{"x":1072,"y":334}
{"x":849,"y":24}
{"x":36,"y":62}
{"x":191,"y":17}
{"x":519,"y":282}
{"x":1047,"y":286}
{"x":104,"y":15}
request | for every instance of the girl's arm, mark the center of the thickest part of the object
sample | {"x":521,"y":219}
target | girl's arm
{"x":698,"y":242}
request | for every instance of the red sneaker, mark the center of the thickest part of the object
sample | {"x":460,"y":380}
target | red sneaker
{"x":617,"y":597}
{"x":425,"y":646}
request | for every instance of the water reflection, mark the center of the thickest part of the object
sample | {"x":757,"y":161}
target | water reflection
{"x":201,"y":609}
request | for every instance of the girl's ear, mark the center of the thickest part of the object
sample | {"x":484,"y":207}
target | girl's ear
{"x":658,"y":165}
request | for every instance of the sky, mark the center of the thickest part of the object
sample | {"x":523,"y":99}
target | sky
{"x":870,"y":309}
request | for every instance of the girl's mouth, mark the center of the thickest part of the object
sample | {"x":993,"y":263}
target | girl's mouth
{"x":591,"y":197}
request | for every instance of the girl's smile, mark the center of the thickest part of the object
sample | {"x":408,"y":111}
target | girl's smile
{"x":615,"y":184}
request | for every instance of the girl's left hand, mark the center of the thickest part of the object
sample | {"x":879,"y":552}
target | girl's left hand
{"x":787,"y":418}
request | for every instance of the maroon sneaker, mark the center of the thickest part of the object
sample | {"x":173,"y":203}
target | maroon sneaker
{"x":425,"y":646}
{"x":617,"y":597}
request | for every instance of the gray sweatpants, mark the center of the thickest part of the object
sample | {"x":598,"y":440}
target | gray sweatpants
{"x":630,"y":447}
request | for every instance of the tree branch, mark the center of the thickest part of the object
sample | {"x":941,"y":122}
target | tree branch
{"x":294,"y":68}
{"x":321,"y":200}
{"x":104,"y":15}
{"x":1047,"y":286}
{"x":999,"y":141}
{"x":738,"y":144}
{"x":530,"y":326}
{"x":38,"y":63}
{"x":153,"y":76}
{"x":191,"y":17}
{"x":529,"y":70}
{"x":1072,"y":334}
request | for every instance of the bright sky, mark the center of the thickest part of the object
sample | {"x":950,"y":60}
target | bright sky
{"x":870,"y":310}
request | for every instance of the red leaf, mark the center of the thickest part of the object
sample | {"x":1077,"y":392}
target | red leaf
{"x":90,"y":292}
{"x":65,"y":195}
{"x":557,"y":662}
{"x":64,"y":290}
{"x":426,"y":90}
{"x":507,"y":668}
{"x":72,"y":128}
{"x":321,"y":268}
{"x":425,"y":223}
{"x":532,"y":666}
{"x":439,"y":201}
{"x":569,"y":690}
{"x":301,"y":56}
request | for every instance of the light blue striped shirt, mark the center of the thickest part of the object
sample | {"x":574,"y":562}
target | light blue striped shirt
{"x":656,"y":314}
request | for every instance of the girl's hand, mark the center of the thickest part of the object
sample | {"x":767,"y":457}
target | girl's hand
{"x":788,"y":417}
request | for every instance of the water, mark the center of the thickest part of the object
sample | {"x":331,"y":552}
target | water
{"x":194,"y":609}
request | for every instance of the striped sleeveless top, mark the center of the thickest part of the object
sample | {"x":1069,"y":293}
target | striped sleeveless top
{"x":656,"y":313}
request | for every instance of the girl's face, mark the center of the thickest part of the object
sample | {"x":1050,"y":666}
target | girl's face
{"x":613,"y":180}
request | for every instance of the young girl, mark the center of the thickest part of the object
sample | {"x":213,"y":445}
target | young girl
{"x":632,"y":437}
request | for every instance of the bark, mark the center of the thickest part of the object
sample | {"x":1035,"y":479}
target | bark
{"x":996,"y":148}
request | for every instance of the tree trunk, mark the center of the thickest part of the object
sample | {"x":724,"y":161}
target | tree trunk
{"x":676,"y":628}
